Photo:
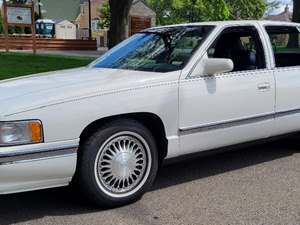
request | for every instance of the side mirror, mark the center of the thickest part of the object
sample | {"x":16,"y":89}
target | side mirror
{"x":213,"y":66}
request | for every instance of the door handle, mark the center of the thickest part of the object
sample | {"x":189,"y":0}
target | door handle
{"x":264,"y":86}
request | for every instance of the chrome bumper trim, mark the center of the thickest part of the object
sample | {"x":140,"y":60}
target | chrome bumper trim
{"x":33,"y":156}
{"x":35,"y":148}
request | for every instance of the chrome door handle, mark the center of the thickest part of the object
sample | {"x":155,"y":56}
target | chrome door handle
{"x":264,"y":86}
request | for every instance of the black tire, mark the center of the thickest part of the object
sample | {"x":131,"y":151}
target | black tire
{"x":89,"y":151}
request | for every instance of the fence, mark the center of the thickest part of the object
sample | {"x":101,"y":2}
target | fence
{"x":26,"y":43}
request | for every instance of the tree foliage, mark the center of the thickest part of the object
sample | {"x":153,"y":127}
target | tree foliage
{"x":178,"y":11}
{"x":195,"y":10}
{"x":114,"y":13}
{"x":104,"y":13}
{"x":246,"y":9}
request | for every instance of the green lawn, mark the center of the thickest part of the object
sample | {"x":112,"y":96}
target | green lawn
{"x":19,"y":64}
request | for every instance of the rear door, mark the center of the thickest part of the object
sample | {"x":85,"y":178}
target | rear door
{"x":286,"y":52}
{"x":229,"y":108}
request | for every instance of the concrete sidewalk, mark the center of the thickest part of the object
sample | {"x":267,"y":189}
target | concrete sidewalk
{"x":66,"y":53}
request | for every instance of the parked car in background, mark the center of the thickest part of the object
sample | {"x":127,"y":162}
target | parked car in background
{"x":163,"y":93}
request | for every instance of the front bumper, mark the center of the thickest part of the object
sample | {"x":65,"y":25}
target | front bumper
{"x":39,"y":166}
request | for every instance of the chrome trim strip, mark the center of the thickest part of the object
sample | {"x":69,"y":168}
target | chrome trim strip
{"x":239,"y":122}
{"x":35,"y":148}
{"x":287,"y":113}
{"x":25,"y":157}
{"x":227,"y":124}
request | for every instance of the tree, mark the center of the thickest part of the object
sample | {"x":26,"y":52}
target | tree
{"x":181,"y":11}
{"x":119,"y":13}
{"x":246,"y":9}
{"x":104,"y":13}
{"x":177,"y":11}
{"x":296,"y":11}
{"x":200,"y":10}
{"x":164,"y":11}
{"x":215,"y":10}
{"x":294,"y":38}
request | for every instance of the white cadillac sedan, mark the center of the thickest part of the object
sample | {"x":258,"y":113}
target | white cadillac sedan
{"x":163,"y":93}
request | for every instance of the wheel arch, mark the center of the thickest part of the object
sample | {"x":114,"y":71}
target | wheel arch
{"x":150,"y":120}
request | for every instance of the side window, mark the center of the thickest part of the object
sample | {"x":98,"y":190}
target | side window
{"x":285,"y":42}
{"x":242,"y":45}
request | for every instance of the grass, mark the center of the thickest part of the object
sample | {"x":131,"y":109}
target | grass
{"x":21,"y":64}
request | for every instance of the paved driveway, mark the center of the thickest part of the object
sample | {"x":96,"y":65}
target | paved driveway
{"x":255,"y":185}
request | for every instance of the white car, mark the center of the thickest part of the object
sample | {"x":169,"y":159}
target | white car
{"x":163,"y":93}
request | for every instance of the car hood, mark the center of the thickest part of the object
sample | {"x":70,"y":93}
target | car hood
{"x":49,"y":88}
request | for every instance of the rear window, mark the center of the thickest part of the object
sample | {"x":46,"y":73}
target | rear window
{"x":285,"y":41}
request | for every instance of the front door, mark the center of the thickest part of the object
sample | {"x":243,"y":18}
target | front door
{"x":233,"y":107}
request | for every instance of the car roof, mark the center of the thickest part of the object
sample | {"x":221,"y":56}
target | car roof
{"x":236,"y":22}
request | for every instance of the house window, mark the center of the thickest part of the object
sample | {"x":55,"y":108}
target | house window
{"x":95,"y":25}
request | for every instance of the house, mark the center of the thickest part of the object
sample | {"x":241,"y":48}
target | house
{"x":141,"y":16}
{"x":286,"y":15}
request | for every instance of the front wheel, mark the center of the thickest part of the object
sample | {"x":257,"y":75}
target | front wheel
{"x":118,"y":163}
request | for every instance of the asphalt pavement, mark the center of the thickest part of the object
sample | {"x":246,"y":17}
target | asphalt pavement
{"x":255,"y":185}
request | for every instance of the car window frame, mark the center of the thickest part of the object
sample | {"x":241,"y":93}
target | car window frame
{"x":272,"y":55}
{"x":188,"y":74}
{"x":258,"y":44}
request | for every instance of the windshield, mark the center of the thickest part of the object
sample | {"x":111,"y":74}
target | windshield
{"x":157,"y":50}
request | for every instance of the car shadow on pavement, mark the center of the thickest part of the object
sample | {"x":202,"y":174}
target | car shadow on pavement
{"x":223,"y":161}
{"x":24,"y":207}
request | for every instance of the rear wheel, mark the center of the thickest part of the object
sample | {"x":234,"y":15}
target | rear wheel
{"x":118,"y":163}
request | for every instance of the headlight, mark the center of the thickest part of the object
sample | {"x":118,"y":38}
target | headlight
{"x":21,"y":133}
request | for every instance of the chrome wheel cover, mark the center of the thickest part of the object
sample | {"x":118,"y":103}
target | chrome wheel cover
{"x":123,"y":164}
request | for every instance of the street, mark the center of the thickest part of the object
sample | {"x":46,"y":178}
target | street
{"x":254,"y":185}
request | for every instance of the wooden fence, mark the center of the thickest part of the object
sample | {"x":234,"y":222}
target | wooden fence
{"x":25,"y":43}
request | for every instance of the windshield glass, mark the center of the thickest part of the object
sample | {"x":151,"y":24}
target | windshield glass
{"x":157,"y":50}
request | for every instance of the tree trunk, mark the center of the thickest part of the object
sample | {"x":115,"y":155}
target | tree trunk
{"x":119,"y":15}
{"x":296,"y":12}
